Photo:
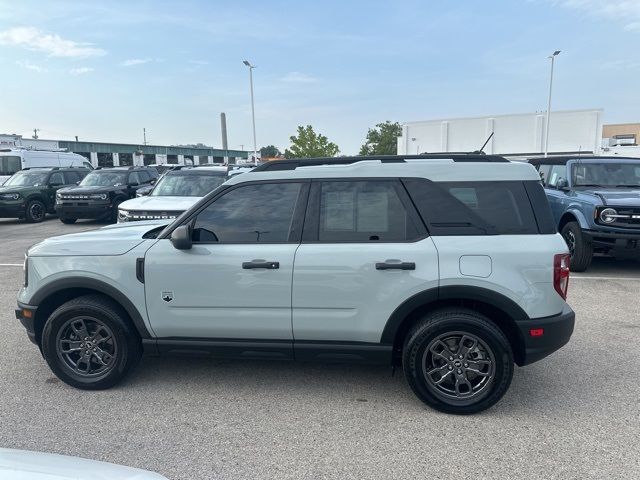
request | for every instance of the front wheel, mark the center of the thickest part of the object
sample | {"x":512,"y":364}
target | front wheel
{"x":89,"y":343}
{"x":580,"y":248}
{"x":68,"y":220}
{"x":457,"y":361}
{"x":35,"y":211}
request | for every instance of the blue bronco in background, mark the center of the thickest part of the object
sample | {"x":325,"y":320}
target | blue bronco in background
{"x":596,"y":204}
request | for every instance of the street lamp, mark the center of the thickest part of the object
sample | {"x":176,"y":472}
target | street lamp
{"x":253,"y":111}
{"x":546,"y":140}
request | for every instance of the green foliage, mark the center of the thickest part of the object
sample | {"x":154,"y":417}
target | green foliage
{"x":309,"y":144}
{"x":269,"y":151}
{"x":382,"y":140}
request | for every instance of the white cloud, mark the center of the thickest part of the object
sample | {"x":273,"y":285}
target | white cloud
{"x":626,"y":12}
{"x":30,"y":66}
{"x":135,"y":61}
{"x":52,"y":44}
{"x":297,"y":77}
{"x":80,"y":70}
{"x":198,"y":62}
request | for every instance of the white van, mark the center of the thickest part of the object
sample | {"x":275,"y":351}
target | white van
{"x":13,"y":160}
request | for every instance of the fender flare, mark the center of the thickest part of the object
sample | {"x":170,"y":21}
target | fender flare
{"x":86,"y":283}
{"x":582,"y":220}
{"x":453,"y":292}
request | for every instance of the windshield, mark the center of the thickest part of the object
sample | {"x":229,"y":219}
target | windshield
{"x":606,"y":174}
{"x":104,"y":179}
{"x":27,"y":180}
{"x":187,"y":185}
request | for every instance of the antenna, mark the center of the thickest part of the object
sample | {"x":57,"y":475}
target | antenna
{"x":485,"y":144}
{"x":35,"y":133}
{"x":144,"y":135}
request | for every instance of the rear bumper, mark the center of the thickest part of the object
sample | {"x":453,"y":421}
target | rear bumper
{"x":557,"y":332}
{"x":27,"y":314}
{"x":83,"y":211}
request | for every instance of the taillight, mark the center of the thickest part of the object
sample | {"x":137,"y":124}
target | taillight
{"x":561,"y":273}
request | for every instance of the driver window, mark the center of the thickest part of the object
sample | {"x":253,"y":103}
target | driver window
{"x":134,"y":179}
{"x":56,"y":179}
{"x":557,"y":172}
{"x":258,"y":213}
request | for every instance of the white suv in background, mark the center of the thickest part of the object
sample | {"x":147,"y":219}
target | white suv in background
{"x":449,"y":266}
{"x":176,"y":191}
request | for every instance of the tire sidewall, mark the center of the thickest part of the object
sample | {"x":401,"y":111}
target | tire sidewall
{"x":122,"y":337}
{"x":582,"y":252}
{"x":417,"y":344}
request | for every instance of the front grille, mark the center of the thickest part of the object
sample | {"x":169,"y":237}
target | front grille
{"x":133,"y":215}
{"x":629,"y":217}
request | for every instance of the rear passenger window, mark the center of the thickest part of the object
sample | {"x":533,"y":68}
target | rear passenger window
{"x":363,"y":211}
{"x":557,"y":172}
{"x":473,"y":208}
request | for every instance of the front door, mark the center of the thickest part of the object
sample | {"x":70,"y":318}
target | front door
{"x":364,"y":251}
{"x":235,"y":282}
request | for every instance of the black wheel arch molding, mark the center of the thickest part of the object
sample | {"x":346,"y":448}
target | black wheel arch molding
{"x":84,"y":285}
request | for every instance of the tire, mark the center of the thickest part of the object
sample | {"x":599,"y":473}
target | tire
{"x":35,"y":211}
{"x":113,"y":216}
{"x":486,"y":364}
{"x":113,"y":347}
{"x":68,"y":220}
{"x":580,"y":248}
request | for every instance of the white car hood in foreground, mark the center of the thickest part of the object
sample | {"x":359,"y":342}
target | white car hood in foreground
{"x":112,"y":240}
{"x":159,"y":204}
{"x":24,"y":465}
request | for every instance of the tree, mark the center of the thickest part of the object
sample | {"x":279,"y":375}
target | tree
{"x":308,"y":144}
{"x":269,"y":151}
{"x":382,"y":140}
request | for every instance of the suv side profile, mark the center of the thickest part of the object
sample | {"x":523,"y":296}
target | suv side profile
{"x":101,"y":192}
{"x":451,"y":268}
{"x":31,"y":192}
{"x":595,"y":203}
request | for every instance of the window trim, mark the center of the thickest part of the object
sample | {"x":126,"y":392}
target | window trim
{"x":311,"y":229}
{"x":295,"y":230}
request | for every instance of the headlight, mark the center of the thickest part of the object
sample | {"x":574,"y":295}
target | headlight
{"x":10,"y":196}
{"x":58,"y":195}
{"x":101,"y":196}
{"x":123,"y":216}
{"x":608,"y":215}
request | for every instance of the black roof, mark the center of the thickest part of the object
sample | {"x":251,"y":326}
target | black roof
{"x":82,"y":167}
{"x":562,"y":160}
{"x":196,"y":171}
{"x":123,"y":169}
{"x":293,"y":163}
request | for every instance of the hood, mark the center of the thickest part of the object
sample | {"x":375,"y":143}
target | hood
{"x":78,"y":189}
{"x":160,"y":204}
{"x":623,"y":197}
{"x":111,"y":240}
{"x":15,"y":188}
{"x":21,"y":464}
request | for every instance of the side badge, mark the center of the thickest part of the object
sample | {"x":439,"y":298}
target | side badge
{"x":166,"y":296}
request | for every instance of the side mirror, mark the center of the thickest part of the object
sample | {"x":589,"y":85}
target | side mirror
{"x":78,"y":182}
{"x":181,"y":238}
{"x":562,"y":184}
{"x":153,"y":181}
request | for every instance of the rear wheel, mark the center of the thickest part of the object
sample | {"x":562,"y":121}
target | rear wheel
{"x":457,"y":361}
{"x":35,"y":211}
{"x":580,"y":248}
{"x":89,"y":343}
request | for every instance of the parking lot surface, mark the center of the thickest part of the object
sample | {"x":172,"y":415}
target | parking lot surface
{"x":575,"y":414}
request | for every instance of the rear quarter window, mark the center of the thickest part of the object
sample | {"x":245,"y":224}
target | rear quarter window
{"x":474,"y":208}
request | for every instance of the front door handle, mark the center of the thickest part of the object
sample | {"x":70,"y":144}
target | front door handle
{"x":395,"y":266}
{"x":260,"y":264}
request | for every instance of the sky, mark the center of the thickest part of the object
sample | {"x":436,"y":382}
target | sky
{"x":104,"y":70}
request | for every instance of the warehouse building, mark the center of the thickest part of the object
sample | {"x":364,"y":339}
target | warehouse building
{"x":102,"y":154}
{"x":571,"y":131}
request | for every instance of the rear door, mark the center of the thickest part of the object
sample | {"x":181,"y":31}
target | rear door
{"x":364,"y":251}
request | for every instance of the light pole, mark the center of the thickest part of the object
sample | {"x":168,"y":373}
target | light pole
{"x":253,"y":111}
{"x":546,"y":135}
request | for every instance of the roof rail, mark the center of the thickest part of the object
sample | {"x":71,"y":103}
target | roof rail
{"x":293,"y":163}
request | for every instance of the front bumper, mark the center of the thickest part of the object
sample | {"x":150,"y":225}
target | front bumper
{"x":83,"y":209}
{"x":557,"y":332}
{"x":27,"y":314}
{"x":12,"y":210}
{"x":629,"y":242}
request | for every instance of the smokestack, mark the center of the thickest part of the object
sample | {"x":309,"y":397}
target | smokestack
{"x":223,"y":126}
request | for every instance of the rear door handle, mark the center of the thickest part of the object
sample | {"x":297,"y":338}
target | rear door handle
{"x":260,"y":264}
{"x":395,"y":266}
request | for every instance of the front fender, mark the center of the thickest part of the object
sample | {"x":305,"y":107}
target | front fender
{"x":580,"y":217}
